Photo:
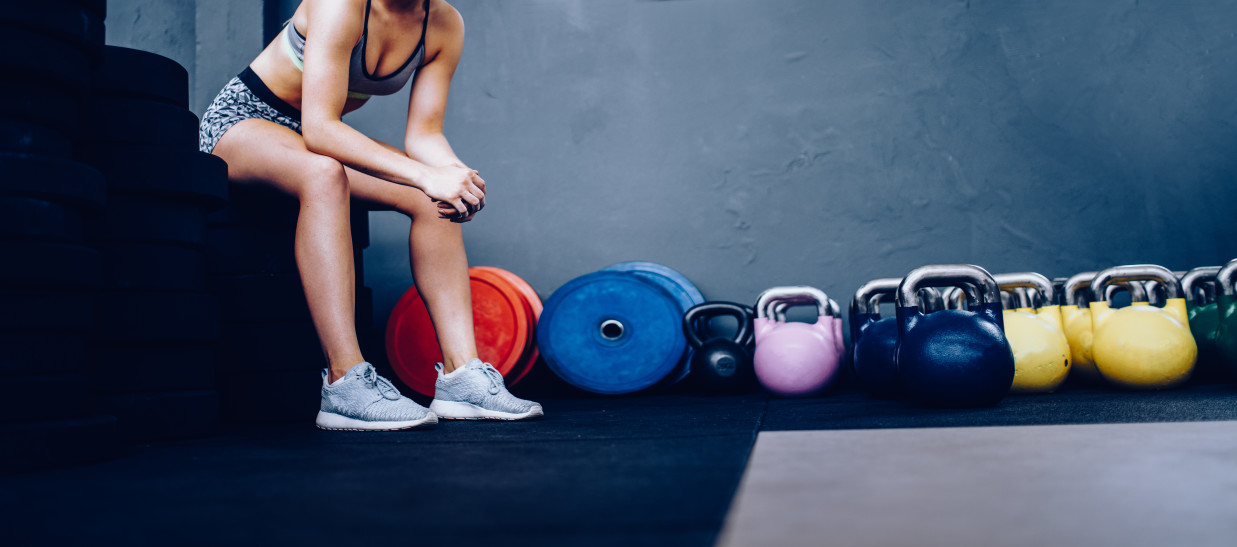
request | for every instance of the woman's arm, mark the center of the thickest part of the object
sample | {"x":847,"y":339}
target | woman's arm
{"x":334,"y":28}
{"x":427,"y":105}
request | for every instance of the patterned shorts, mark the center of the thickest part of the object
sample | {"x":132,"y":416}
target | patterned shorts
{"x":244,"y":97}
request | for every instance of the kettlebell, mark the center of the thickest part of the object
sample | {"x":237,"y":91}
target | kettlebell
{"x":1041,"y":353}
{"x":873,"y":339}
{"x":795,"y":359}
{"x":953,"y":358}
{"x":1142,"y":346}
{"x":720,"y":364}
{"x":1226,"y":307}
{"x":1203,"y":316}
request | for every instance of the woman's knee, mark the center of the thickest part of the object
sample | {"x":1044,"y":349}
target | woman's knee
{"x":324,"y":179}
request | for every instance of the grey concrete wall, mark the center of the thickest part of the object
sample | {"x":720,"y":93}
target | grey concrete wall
{"x":212,"y":39}
{"x":752,"y":143}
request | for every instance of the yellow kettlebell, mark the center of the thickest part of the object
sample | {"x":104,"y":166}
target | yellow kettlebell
{"x":1041,"y":352}
{"x":1142,"y":346}
{"x":1076,"y":320}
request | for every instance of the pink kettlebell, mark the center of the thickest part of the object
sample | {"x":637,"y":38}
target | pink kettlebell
{"x":796,"y":359}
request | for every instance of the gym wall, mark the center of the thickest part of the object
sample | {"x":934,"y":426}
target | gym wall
{"x":821,"y":142}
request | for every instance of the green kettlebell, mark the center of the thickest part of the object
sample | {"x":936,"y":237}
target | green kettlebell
{"x":1226,"y":307}
{"x":1204,"y":317}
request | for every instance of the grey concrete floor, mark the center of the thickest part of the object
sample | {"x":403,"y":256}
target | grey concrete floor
{"x":1107,"y":484}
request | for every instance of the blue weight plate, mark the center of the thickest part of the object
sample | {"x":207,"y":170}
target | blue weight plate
{"x":684,"y":292}
{"x":611,"y":333}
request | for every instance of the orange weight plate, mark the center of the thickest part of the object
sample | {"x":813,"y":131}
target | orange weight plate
{"x":499,"y":319}
{"x":534,"y":305}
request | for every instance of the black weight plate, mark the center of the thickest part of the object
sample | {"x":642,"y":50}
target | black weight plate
{"x":149,"y":316}
{"x":57,"y":443}
{"x":235,"y":250}
{"x":36,"y":219}
{"x":250,"y":205}
{"x":98,"y":8}
{"x":360,"y":227}
{"x":270,"y":397}
{"x":166,"y":415}
{"x":153,"y":267}
{"x":251,"y":250}
{"x":41,"y":264}
{"x":38,"y":310}
{"x":151,"y":220}
{"x":42,"y":398}
{"x":139,"y":121}
{"x":265,"y":298}
{"x":23,"y":137}
{"x":157,"y":171}
{"x":29,"y":55}
{"x":130,"y":368}
{"x":54,"y":179}
{"x":42,"y":353}
{"x":127,"y":72}
{"x":285,"y":345}
{"x":42,"y":105}
{"x":61,"y":19}
{"x":253,"y":205}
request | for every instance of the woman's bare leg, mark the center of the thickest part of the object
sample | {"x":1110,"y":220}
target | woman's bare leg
{"x":259,"y":151}
{"x":439,"y":263}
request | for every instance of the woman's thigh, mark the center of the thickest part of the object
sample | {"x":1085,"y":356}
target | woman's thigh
{"x":261,"y":151}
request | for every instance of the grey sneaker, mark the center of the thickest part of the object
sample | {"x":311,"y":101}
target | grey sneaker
{"x":477,"y":392}
{"x":364,"y":401}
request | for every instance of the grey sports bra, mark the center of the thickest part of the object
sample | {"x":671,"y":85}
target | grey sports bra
{"x":362,"y":84}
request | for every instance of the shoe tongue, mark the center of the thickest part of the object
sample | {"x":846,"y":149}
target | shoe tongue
{"x":475,"y":363}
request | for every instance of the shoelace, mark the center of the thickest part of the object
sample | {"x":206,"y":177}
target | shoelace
{"x":496,"y":379}
{"x":384,"y":386}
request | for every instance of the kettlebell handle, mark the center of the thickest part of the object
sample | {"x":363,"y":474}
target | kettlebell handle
{"x":795,"y":296}
{"x":1193,"y":278}
{"x":1225,"y":278}
{"x":1137,"y":292}
{"x":700,"y":314}
{"x":1078,"y":287}
{"x":1136,"y":272}
{"x":1027,"y":280}
{"x":960,"y":297}
{"x":947,"y":275}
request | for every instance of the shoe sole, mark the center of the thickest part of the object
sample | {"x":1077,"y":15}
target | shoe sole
{"x":457,"y":410}
{"x":334,"y":422}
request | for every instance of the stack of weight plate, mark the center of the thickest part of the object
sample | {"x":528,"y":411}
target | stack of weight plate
{"x":157,"y":323}
{"x":269,"y":355}
{"x":619,"y":330}
{"x":47,"y":416}
{"x":505,"y":314}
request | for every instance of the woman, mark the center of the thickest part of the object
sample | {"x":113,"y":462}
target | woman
{"x":279,"y":123}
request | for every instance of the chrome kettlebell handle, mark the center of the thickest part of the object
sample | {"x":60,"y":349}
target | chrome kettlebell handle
{"x":794,"y":296}
{"x":1135,"y":288}
{"x":960,"y":297}
{"x":1136,"y":272}
{"x":1194,"y":278}
{"x":1225,"y":278}
{"x":1076,"y":286}
{"x":869,"y":294}
{"x":1027,"y":280}
{"x":947,"y":275}
{"x":779,"y":307}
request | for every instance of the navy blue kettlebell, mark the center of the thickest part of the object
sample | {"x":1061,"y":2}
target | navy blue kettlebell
{"x":953,"y":358}
{"x":720,"y":364}
{"x":874,"y":340}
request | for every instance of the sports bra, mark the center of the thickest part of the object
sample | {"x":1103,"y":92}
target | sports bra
{"x":362,"y":84}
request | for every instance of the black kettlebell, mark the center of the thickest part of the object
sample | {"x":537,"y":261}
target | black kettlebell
{"x":720,"y":365}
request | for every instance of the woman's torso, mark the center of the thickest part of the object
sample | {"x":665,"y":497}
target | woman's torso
{"x":393,"y":40}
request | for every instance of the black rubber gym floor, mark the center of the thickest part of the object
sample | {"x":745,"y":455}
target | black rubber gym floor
{"x":654,"y":470}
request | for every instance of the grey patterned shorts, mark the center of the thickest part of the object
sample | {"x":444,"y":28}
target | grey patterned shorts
{"x":244,"y":97}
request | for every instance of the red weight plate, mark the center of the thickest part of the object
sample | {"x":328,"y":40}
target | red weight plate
{"x":533,"y":305}
{"x":499,"y":321}
{"x":501,"y":277}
